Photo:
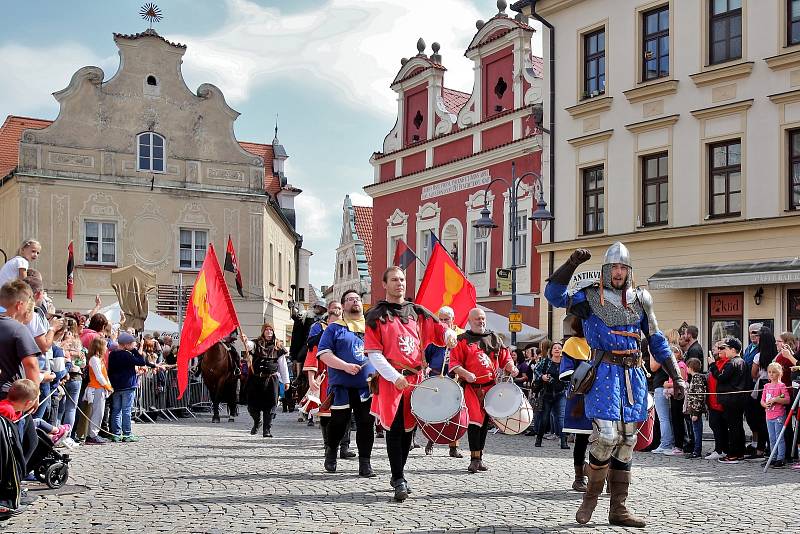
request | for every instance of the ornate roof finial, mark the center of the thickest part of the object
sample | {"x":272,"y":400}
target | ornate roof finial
{"x":151,"y":13}
{"x":276,"y":130}
{"x":501,"y":6}
{"x":421,"y":46}
{"x":436,"y":56}
{"x":479,"y":24}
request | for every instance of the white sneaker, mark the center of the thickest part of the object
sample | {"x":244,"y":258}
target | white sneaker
{"x":713,"y":455}
{"x":69,"y":443}
{"x":658,"y":450}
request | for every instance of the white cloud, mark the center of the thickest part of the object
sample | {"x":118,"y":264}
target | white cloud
{"x":352,"y":46}
{"x":360,"y":199}
{"x":34,"y":73}
{"x":315,"y":218}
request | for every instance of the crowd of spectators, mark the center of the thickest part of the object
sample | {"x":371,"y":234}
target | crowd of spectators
{"x":732,"y":387}
{"x":75,"y":362}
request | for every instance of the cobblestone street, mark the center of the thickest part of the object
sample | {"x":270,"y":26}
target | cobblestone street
{"x":197,"y":477}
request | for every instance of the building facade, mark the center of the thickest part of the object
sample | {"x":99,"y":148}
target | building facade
{"x":679,"y":134}
{"x":446,"y":147}
{"x":353,"y":268}
{"x":137,"y":169}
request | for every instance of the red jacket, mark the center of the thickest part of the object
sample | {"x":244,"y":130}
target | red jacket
{"x":7,"y":410}
{"x":713,"y":402}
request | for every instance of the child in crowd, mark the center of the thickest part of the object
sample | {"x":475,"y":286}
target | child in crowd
{"x":98,"y":390}
{"x":21,"y":398}
{"x":774,"y":399}
{"x":695,"y":405}
{"x":17,"y":267}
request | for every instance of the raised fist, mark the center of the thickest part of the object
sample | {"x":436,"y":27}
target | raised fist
{"x":581,"y":255}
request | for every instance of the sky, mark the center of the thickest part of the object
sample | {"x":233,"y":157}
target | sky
{"x":323,"y":67}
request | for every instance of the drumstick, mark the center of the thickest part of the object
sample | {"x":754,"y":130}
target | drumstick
{"x":435,"y":389}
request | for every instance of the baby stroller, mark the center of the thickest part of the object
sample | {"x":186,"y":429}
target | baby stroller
{"x":49,"y":465}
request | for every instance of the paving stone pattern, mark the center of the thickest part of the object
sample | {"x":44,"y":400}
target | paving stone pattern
{"x":194,"y":476}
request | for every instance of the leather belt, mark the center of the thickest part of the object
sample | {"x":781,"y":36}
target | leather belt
{"x":408,"y":371}
{"x":623,"y":358}
{"x":626,"y":334}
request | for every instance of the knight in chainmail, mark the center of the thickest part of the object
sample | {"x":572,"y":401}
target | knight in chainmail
{"x":617,"y":318}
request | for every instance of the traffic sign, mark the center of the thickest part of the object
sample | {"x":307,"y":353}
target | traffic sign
{"x":504,"y":285}
{"x":503,"y":273}
{"x":514,"y":327}
{"x":515,"y":317}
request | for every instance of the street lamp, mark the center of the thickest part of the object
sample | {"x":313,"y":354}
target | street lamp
{"x":541,"y":218}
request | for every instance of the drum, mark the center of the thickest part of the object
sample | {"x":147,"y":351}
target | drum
{"x":644,"y":431}
{"x":309,"y":405}
{"x":440,"y":410}
{"x":518,"y":422}
{"x":503,"y":400}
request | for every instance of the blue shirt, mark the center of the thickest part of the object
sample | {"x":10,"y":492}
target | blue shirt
{"x":435,"y":357}
{"x":349,"y":347}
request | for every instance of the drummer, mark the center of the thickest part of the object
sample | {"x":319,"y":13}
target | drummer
{"x":437,"y":365}
{"x":477,"y":358}
{"x":342,"y":350}
{"x":395,"y":334}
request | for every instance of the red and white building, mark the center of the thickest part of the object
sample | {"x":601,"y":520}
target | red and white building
{"x":445,"y":149}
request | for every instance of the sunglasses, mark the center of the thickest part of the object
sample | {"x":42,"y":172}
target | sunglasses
{"x":723,"y":347}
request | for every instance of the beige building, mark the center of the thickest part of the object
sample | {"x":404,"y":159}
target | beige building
{"x":354,"y":254}
{"x":678,"y":133}
{"x":137,"y":169}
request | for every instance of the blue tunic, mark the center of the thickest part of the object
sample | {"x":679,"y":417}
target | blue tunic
{"x":349,"y":347}
{"x":435,"y":357}
{"x":607,"y":398}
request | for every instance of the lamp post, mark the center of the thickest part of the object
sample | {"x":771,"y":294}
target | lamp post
{"x":540,"y":217}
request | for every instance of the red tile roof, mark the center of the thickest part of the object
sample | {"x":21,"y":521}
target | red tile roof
{"x":454,"y":100}
{"x":364,"y":230}
{"x":11,"y":133}
{"x":272,"y":183}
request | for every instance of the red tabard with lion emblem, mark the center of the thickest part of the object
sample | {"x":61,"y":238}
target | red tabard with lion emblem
{"x":484,"y":367}
{"x":403,"y":345}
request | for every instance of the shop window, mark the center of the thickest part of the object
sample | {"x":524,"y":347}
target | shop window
{"x":725,"y":316}
{"x":793,"y":316}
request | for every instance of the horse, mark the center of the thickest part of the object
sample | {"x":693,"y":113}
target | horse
{"x":216,"y":368}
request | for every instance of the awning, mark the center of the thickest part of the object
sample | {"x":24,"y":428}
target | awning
{"x":726,"y":275}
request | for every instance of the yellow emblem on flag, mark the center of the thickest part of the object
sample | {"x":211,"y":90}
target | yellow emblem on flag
{"x":203,"y":310}
{"x":453,"y":284}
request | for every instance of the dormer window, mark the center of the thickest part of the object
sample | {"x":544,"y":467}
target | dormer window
{"x":151,"y":80}
{"x":150,"y":152}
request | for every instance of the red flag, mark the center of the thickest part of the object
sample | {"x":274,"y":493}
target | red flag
{"x":232,"y":265}
{"x":443,"y":284}
{"x":70,"y":272}
{"x":403,"y":255}
{"x":210,"y":316}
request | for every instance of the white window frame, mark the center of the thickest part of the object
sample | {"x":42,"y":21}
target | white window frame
{"x":100,"y":224}
{"x":475,"y":245}
{"x":474,"y":205}
{"x":427,"y":222}
{"x":150,"y":158}
{"x":195,"y":266}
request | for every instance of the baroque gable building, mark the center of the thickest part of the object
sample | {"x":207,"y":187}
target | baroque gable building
{"x":138,"y":169}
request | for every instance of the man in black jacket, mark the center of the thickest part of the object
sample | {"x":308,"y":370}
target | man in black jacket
{"x":733,"y":390}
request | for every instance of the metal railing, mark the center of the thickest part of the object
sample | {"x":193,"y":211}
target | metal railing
{"x":157,"y":394}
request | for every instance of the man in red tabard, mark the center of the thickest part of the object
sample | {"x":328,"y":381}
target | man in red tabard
{"x":477,"y":358}
{"x":397,"y":333}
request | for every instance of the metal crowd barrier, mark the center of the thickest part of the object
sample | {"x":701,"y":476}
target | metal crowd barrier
{"x":157,"y":393}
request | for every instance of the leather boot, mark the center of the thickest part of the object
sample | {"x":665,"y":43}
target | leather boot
{"x":365,"y":468}
{"x":538,"y":440}
{"x":345,"y":453}
{"x":330,"y":459}
{"x":256,"y":424}
{"x":580,"y":479}
{"x":429,"y":448}
{"x":454,"y":452}
{"x":618,"y":514}
{"x":474,"y":462}
{"x":564,"y":441}
{"x":481,"y":465}
{"x":597,"y":479}
{"x":267,"y":430}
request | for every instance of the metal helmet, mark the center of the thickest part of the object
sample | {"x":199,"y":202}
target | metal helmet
{"x":617,"y":253}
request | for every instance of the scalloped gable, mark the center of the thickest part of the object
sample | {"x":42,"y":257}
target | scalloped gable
{"x":494,"y":29}
{"x":198,"y":126}
{"x":415,"y":66}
